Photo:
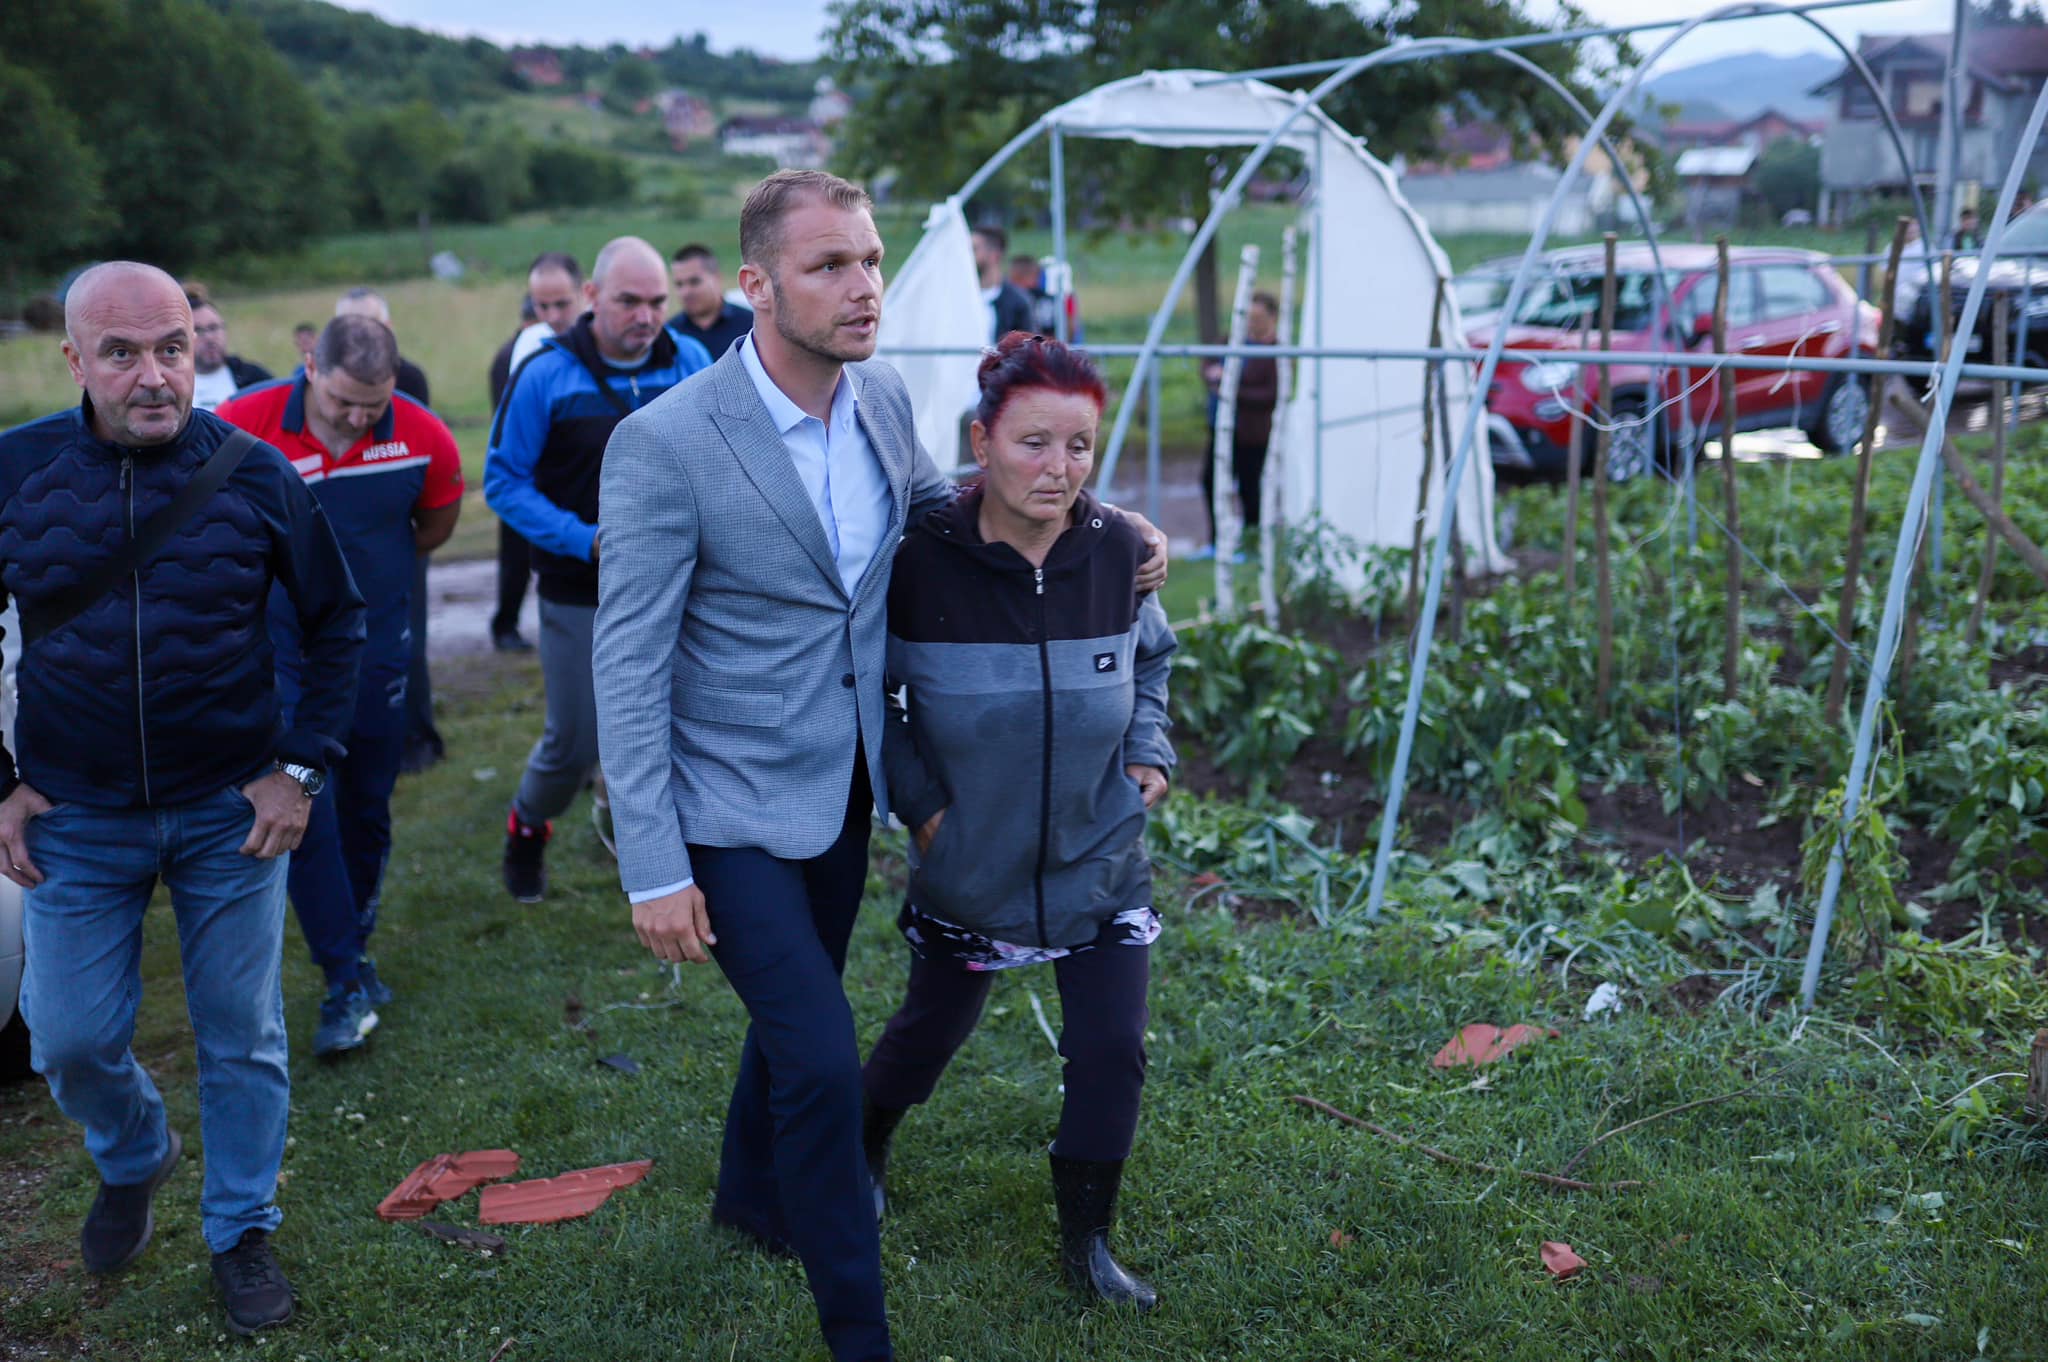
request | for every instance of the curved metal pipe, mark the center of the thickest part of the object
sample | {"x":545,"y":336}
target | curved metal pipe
{"x":1425,"y":630}
{"x":1903,"y":555}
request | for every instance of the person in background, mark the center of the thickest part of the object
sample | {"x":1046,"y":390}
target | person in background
{"x":1027,"y":276}
{"x":555,"y":283}
{"x":541,"y":476}
{"x":217,"y":375}
{"x":423,"y":744}
{"x":554,"y":299}
{"x":1009,"y":308}
{"x":303,"y":336}
{"x":1258,"y":392}
{"x":1967,"y":236}
{"x":1026,"y":789}
{"x":703,"y":313}
{"x":152,"y":748}
{"x":386,"y":472}
{"x":2021,"y":202}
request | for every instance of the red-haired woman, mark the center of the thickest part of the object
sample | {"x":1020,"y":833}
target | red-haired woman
{"x":1032,"y":742}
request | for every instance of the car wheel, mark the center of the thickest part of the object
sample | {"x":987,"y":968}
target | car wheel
{"x":1637,"y":445}
{"x":1844,"y":410}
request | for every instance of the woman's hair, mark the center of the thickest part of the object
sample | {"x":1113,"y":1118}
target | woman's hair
{"x":1023,"y":360}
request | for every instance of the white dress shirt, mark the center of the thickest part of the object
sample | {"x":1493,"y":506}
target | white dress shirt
{"x":843,"y":476}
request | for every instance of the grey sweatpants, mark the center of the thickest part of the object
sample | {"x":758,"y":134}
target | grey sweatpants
{"x":566,"y":754}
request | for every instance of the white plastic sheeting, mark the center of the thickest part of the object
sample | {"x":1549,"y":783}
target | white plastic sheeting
{"x":1354,"y":447}
{"x":935,"y":302}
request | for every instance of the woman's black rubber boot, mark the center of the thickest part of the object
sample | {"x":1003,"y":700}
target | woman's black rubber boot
{"x":1085,"y":1192}
{"x":877,"y":1129}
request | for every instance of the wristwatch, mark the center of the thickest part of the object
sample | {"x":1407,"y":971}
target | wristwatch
{"x":310,"y":780}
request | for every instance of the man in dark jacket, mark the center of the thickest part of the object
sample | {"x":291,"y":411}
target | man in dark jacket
{"x":218,"y":375}
{"x":1009,"y":307}
{"x":152,"y":746}
{"x":702,"y":313}
{"x":541,"y":477}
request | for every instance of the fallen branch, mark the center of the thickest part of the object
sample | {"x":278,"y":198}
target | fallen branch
{"x":1575,"y":1160}
{"x":1470,"y":1165}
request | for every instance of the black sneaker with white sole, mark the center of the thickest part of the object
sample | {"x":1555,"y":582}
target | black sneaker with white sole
{"x":252,"y":1285}
{"x":118,"y":1227}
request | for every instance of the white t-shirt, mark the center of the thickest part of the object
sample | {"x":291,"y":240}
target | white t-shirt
{"x":210,"y":390}
{"x":988,"y":300}
{"x":527,"y":343}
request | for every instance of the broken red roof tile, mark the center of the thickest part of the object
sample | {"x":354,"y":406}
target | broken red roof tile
{"x":542,"y":1201}
{"x":444,"y":1178}
{"x":1483,"y":1043}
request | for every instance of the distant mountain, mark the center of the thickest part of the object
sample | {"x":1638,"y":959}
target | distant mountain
{"x":1747,"y":83}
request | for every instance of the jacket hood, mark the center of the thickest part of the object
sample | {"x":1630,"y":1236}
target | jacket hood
{"x":957,"y":525}
{"x":582,"y":343}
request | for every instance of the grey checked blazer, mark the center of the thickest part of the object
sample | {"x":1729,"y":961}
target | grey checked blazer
{"x":732,"y":671}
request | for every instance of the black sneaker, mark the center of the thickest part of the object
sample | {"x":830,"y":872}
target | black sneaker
{"x":118,"y":1227}
{"x":526,"y":850}
{"x":252,"y":1285}
{"x":510,"y":641}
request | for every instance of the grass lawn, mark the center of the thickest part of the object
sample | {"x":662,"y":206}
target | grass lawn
{"x":1829,"y":1213}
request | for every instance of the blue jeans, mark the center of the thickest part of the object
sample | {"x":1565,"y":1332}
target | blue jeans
{"x":83,"y":929}
{"x":337,"y":874}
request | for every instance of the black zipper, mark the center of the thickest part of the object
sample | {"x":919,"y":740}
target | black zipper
{"x":1045,"y":778}
{"x":141,"y":724}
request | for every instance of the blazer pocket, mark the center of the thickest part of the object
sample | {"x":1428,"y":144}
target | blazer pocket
{"x":723,"y":705}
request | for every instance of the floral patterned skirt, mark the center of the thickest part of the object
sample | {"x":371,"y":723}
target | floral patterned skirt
{"x":934,"y":938}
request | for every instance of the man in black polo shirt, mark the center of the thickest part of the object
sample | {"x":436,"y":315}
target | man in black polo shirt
{"x":706,"y":316}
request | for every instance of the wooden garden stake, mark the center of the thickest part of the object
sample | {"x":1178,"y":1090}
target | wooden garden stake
{"x":1271,"y":500}
{"x":1604,"y":570}
{"x":2037,"y":1078}
{"x":1575,"y":456}
{"x":1222,"y":460}
{"x":1731,"y":657}
{"x":1917,"y":584}
{"x":2002,"y":393}
{"x":1852,"y":563}
{"x":1456,"y":622}
{"x":1429,"y":372}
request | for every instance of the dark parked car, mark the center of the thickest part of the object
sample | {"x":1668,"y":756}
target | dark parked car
{"x":2020,"y":275}
{"x":1781,"y":302}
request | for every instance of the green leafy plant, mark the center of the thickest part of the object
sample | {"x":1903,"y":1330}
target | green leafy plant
{"x":1252,"y":695}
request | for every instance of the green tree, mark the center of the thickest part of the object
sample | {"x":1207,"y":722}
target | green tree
{"x":630,"y":80}
{"x":981,"y":70}
{"x":1788,"y":176}
{"x":396,"y":156}
{"x":204,"y":139}
{"x":50,"y":202}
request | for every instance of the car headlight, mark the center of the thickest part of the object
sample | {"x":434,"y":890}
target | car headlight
{"x":1543,"y":378}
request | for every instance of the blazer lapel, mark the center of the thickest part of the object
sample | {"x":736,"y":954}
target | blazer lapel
{"x":889,"y":447}
{"x":764,"y":458}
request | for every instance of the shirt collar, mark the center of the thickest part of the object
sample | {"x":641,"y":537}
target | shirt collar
{"x":786,"y":414}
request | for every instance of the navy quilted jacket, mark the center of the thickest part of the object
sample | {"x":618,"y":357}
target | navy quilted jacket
{"x":164,"y":690}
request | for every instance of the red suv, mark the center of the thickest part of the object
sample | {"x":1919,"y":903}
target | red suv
{"x":1780,"y":302}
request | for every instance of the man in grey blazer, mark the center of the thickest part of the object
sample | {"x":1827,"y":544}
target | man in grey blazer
{"x":750,"y":517}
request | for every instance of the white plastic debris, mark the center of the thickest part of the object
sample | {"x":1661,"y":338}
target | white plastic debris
{"x":1606,"y":1001}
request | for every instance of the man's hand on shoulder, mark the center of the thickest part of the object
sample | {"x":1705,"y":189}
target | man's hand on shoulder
{"x":1151,"y":572}
{"x":676,"y":927}
{"x":15,"y":813}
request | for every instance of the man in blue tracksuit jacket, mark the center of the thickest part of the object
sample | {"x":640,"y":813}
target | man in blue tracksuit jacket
{"x":541,"y":477}
{"x":152,"y":745}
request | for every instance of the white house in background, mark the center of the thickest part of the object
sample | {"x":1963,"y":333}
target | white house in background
{"x":1509,"y":198}
{"x":1716,"y":182}
{"x":794,"y":143}
{"x":830,"y":105}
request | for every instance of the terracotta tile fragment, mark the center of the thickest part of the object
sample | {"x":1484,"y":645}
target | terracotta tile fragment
{"x":444,"y":1178}
{"x":543,"y":1201}
{"x":1559,"y":1260}
{"x":1483,"y":1043}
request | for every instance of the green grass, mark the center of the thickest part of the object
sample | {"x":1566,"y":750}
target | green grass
{"x":1777,"y":1225}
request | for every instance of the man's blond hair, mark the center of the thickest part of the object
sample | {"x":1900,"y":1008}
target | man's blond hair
{"x":776,"y":197}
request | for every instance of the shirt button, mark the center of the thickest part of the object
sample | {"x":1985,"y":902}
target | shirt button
{"x":847,"y":680}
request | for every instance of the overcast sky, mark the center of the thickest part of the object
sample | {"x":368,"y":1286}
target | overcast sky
{"x":792,"y":28}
